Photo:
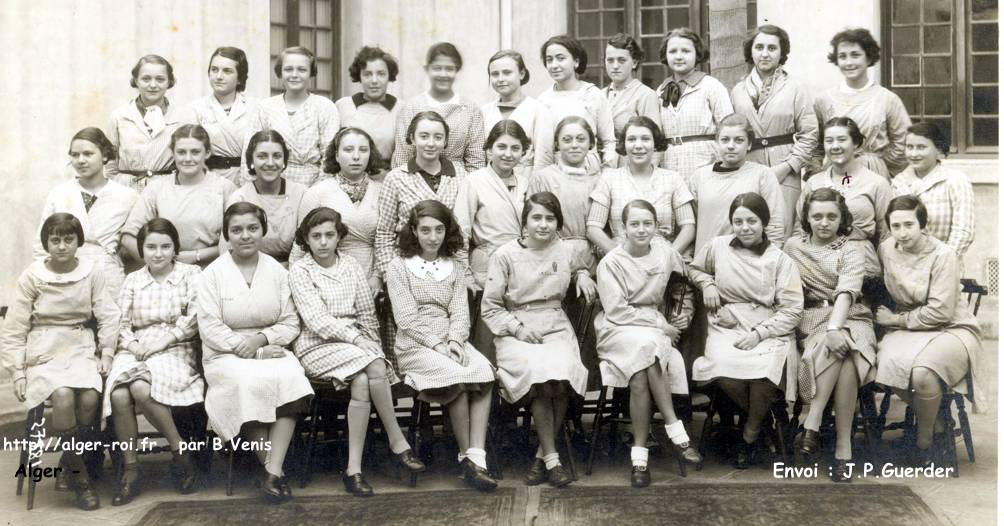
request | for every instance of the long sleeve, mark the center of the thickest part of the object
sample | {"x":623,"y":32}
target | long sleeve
{"x":806,"y":131}
{"x":897,"y":121}
{"x":474,"y":153}
{"x":883,"y":195}
{"x":366,"y":317}
{"x":401,"y":148}
{"x":788,"y":302}
{"x":186,"y":326}
{"x":683,"y":310}
{"x":328,"y":124}
{"x":17,"y":324}
{"x":962,"y":233}
{"x":613,"y":296}
{"x":387,"y":219}
{"x":852,"y":273}
{"x":126,"y":334}
{"x":942,"y":296}
{"x":465,"y":211}
{"x":106,"y":312}
{"x":701,"y":271}
{"x":719,"y":101}
{"x":112,"y":168}
{"x":493,"y":311}
{"x":543,"y":139}
{"x":599,"y":205}
{"x":648,"y":106}
{"x":212,"y":330}
{"x":315,"y":313}
{"x":770,"y":190}
{"x":142,"y":211}
{"x":460,"y":313}
{"x":406,"y":308}
{"x":605,"y":131}
{"x":818,"y":153}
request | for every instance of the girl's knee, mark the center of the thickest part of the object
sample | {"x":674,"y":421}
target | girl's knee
{"x":359,"y":388}
{"x":121,"y":398}
{"x":62,"y":397}
{"x":639,"y":384}
{"x":925,"y":381}
{"x":376,"y":369}
{"x":140,"y":390}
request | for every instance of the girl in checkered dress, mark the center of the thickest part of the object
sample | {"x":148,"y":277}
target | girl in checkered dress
{"x":156,"y":364}
{"x":340,"y":342}
{"x":429,"y":297}
{"x":836,"y":330}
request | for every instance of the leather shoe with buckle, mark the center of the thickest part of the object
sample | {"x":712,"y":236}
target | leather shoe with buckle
{"x":640,"y":477}
{"x":357,"y":485}
{"x":688,"y":453}
{"x":558,"y":476}
{"x":409,"y":461}
{"x":477,"y":477}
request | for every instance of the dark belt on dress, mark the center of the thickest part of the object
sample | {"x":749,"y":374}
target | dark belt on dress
{"x":774,"y":140}
{"x":677,"y":141}
{"x":217,"y":162}
{"x":142,"y":174}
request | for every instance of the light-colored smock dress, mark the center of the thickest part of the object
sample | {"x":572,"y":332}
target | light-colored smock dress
{"x":142,"y":146}
{"x":926,"y":289}
{"x":882,"y":118}
{"x":488,"y":212}
{"x":359,"y":218}
{"x":230,"y":311}
{"x":703,"y":103}
{"x":430,"y":308}
{"x":280,"y":211}
{"x":377,"y":119}
{"x":714,"y":188}
{"x":763,"y":293}
{"x":336,"y":306}
{"x":572,"y":186}
{"x":867,"y":197}
{"x":196,"y":210}
{"x":526,"y":287}
{"x":307,"y":132}
{"x":589,"y":102}
{"x":102,"y":216}
{"x":827,"y":272}
{"x":44,"y":338}
{"x":229,"y":132}
{"x":629,"y":328}
{"x":537,"y":123}
{"x":151,"y":310}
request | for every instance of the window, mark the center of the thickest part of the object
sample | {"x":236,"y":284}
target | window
{"x":942,"y":62}
{"x":593,"y":22}
{"x":311,"y":24}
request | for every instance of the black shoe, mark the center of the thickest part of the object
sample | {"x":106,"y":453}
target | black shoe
{"x":87,"y":498}
{"x":688,"y":453}
{"x":537,"y":474}
{"x":184,"y":473}
{"x":744,"y":455}
{"x":809,"y":443}
{"x":63,"y":478}
{"x":477,"y":477}
{"x":558,"y":477}
{"x":409,"y":461}
{"x":268,"y":484}
{"x":287,"y":492}
{"x":128,"y":486}
{"x":357,"y":485}
{"x":640,"y":477}
{"x":839,"y":471}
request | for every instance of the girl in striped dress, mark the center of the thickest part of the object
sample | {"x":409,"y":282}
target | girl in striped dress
{"x":155,"y":367}
{"x":428,"y":293}
{"x":340,"y":342}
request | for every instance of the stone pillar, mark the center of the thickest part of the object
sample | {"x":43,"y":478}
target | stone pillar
{"x":727,"y":20}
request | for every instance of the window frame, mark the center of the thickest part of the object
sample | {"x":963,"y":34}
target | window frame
{"x":292,"y":27}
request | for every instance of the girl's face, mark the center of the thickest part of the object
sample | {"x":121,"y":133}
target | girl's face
{"x":639,"y":227}
{"x":245,"y":232}
{"x":442,"y":72}
{"x":921,"y":152}
{"x":268,"y":161}
{"x":374,"y":79}
{"x":559,"y":63}
{"x":824,"y":220}
{"x":852,"y":61}
{"x":747,"y":226}
{"x":504,"y":76}
{"x":295,"y":72}
{"x":639,"y":143}
{"x":573,"y":144}
{"x":766,"y":54}
{"x":505,"y":152}
{"x":838,"y":145}
{"x":190,"y":156}
{"x":63,"y":248}
{"x":620,"y":66}
{"x":353,"y":155}
{"x":152,"y":82}
{"x":681,"y":55}
{"x":430,"y":233}
{"x":158,"y":252}
{"x":429,"y":139}
{"x":541,"y":224}
{"x":223,"y":76}
{"x":904,"y":226}
{"x":323,"y":241}
{"x":86,"y":158}
{"x":733,"y":145}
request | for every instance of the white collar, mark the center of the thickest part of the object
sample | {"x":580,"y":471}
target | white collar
{"x":437,"y":270}
{"x":844,"y":88}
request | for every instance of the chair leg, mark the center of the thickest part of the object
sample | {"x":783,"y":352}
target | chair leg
{"x":779,"y":411}
{"x":709,"y":420}
{"x":967,"y":432}
{"x":308,"y":468}
{"x":796,"y":413}
{"x":597,"y":422}
{"x":421,"y":412}
{"x":230,"y":471}
{"x":566,"y":431}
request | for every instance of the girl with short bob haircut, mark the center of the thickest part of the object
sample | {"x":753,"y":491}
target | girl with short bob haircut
{"x":372,"y":109}
{"x":628,"y":95}
{"x":507,"y":74}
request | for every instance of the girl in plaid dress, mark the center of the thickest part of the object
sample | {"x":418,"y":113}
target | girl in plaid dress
{"x":307,"y":121}
{"x":340,"y":342}
{"x":429,"y":298}
{"x":693,"y":103}
{"x":836,"y":328}
{"x":156,"y":365}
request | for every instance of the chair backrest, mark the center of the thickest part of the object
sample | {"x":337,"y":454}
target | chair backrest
{"x":974,"y":293}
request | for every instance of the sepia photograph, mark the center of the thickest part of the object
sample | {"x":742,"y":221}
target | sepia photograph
{"x":499,"y":262}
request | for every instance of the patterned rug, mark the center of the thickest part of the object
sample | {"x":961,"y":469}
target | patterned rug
{"x":747,"y":504}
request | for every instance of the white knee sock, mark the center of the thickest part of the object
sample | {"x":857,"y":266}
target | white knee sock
{"x":639,"y":456}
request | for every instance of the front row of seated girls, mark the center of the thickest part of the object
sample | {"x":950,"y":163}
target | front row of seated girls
{"x":246,"y":309}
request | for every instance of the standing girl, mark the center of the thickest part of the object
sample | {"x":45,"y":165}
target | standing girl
{"x":627,"y":95}
{"x":507,"y":74}
{"x":372,"y":110}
